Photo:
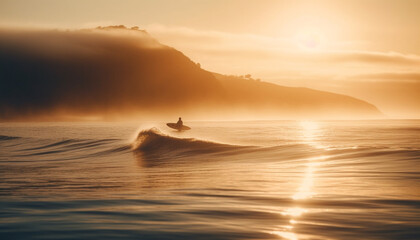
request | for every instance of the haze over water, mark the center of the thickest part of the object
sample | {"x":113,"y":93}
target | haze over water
{"x":221,"y":180}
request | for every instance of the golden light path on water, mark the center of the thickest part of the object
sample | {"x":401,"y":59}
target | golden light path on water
{"x":309,"y":133}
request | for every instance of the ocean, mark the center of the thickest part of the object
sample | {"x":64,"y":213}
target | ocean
{"x":290,"y":180}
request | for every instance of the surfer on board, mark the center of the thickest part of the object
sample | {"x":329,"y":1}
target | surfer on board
{"x":179,"y":123}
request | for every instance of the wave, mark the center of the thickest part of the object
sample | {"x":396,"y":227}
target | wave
{"x":64,"y":149}
{"x":4,"y":138}
{"x":154,"y":142}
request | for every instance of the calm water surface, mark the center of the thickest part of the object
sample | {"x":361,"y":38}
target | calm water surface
{"x":220,"y":180}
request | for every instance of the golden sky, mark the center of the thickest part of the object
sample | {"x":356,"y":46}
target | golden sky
{"x":369,"y":49}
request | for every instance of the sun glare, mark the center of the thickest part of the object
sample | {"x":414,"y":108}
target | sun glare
{"x":309,"y":40}
{"x":309,"y":126}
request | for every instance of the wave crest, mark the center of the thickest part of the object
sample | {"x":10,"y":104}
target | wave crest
{"x":153,"y":141}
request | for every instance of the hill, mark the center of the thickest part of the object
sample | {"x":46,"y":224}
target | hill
{"x":118,"y":72}
{"x":250,"y":95}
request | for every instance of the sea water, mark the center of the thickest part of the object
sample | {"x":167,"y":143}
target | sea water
{"x":221,"y":180}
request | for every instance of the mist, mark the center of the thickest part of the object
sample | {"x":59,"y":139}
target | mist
{"x":118,"y":72}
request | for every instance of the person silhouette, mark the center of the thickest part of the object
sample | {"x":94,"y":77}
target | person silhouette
{"x":179,"y":123}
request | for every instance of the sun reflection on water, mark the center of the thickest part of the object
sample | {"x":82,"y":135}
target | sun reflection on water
{"x":286,"y":235}
{"x":294,"y":212}
{"x":305,"y":189}
{"x":310,"y":133}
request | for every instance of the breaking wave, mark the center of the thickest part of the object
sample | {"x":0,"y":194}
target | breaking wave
{"x":153,"y":141}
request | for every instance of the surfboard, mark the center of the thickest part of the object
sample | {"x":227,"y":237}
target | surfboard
{"x":175,"y":126}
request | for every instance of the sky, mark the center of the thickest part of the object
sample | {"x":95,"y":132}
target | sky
{"x":364,"y":48}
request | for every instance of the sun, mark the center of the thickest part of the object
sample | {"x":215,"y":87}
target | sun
{"x":309,"y":40}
